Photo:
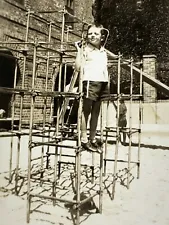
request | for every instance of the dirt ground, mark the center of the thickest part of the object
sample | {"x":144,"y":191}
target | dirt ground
{"x":145,"y":202}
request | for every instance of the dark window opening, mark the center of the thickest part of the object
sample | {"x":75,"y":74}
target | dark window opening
{"x":69,"y":3}
{"x":69,"y":20}
{"x":7,"y":72}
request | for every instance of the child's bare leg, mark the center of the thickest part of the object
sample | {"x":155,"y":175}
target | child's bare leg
{"x":124,"y":137}
{"x":87,"y":104}
{"x":119,"y":140}
{"x":94,"y":119}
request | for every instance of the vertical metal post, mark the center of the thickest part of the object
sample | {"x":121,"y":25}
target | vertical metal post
{"x":61,"y":48}
{"x":19,"y":136}
{"x":78,"y":153}
{"x":117,"y":127}
{"x":12,"y":124}
{"x":30,"y":135}
{"x":140,"y":118}
{"x":24,"y":68}
{"x":107,"y":133}
{"x":64,"y":82}
{"x":101,"y":164}
{"x":55,"y":173}
{"x":21,"y":103}
{"x":60,"y":79}
{"x":65,"y":77}
{"x":58,"y":107}
{"x":50,"y":116}
{"x":130,"y":122}
{"x":45,"y":101}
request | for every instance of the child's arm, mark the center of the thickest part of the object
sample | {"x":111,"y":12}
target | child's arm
{"x":78,"y":60}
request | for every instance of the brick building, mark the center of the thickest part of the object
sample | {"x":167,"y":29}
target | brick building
{"x":26,"y":25}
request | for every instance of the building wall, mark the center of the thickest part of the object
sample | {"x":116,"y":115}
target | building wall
{"x":149,"y":67}
{"x":152,"y":113}
{"x":13,"y":20}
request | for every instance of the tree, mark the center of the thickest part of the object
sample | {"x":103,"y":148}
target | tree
{"x":137,"y":27}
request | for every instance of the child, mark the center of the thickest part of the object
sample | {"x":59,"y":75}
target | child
{"x":95,"y":82}
{"x":122,"y":122}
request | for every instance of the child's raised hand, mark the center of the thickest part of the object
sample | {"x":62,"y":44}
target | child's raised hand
{"x":78,"y":45}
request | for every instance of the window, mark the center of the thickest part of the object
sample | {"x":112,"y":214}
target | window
{"x":69,"y":4}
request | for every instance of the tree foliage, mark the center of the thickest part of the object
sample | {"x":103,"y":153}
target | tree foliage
{"x":137,"y":28}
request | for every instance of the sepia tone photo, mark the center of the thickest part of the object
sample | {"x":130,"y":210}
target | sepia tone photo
{"x":84,"y":100}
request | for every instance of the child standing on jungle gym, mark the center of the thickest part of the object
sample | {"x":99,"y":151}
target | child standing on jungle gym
{"x":95,"y":82}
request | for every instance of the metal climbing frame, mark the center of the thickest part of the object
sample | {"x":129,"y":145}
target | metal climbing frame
{"x":51,"y":134}
{"x":16,"y":130}
{"x":54,"y":136}
{"x":130,"y":130}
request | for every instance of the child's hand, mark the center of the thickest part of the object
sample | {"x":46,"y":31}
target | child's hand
{"x":78,"y":45}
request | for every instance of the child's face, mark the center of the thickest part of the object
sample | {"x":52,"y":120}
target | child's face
{"x":94,"y":36}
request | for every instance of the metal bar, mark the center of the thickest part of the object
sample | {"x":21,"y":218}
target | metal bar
{"x":130,"y":122}
{"x":45,"y":98}
{"x":140,"y":120}
{"x":117,"y":127}
{"x":12,"y":126}
{"x":101,"y":164}
{"x":55,"y":174}
{"x":55,"y":144}
{"x":53,"y":198}
{"x":19,"y":136}
{"x":145,"y":77}
{"x":87,"y":199}
{"x":106,"y":141}
{"x":121,"y":160}
{"x":78,"y":154}
{"x":58,"y":119}
{"x":51,"y":112}
{"x":30,"y":137}
{"x":24,"y":70}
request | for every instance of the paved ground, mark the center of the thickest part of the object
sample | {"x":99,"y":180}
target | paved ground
{"x":146,"y":202}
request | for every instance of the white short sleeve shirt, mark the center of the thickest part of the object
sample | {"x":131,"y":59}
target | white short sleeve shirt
{"x":95,"y":64}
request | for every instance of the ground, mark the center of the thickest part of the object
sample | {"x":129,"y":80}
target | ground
{"x":145,"y":202}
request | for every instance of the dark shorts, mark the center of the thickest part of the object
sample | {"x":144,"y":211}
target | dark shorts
{"x":95,"y":90}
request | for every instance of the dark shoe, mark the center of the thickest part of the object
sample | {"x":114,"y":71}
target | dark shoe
{"x":87,"y":146}
{"x":96,"y":143}
{"x":96,"y":146}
